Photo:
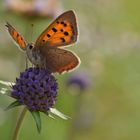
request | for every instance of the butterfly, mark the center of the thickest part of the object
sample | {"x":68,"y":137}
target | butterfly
{"x":48,"y":50}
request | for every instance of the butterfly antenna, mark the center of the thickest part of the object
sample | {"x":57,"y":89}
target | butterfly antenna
{"x":31,"y":35}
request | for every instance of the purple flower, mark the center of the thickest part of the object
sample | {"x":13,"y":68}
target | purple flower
{"x":81,"y":80}
{"x":36,"y":89}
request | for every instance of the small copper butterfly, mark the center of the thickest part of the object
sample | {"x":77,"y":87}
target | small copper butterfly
{"x":48,"y":52}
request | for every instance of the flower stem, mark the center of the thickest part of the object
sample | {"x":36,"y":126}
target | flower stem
{"x":19,"y":123}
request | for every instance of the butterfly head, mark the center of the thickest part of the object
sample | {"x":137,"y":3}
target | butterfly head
{"x":30,"y":46}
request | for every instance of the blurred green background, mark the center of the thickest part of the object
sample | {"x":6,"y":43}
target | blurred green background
{"x":109,"y":49}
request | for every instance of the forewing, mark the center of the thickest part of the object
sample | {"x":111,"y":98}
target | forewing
{"x":60,"y":60}
{"x":16,"y":36}
{"x":63,"y":31}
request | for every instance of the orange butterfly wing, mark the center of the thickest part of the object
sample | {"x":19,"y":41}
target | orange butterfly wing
{"x":63,"y":31}
{"x":16,"y":36}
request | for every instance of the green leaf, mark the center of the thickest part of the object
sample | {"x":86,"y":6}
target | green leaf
{"x":58,"y":113}
{"x":5,"y":91}
{"x":13,"y":104}
{"x":36,"y":116}
{"x":5,"y":83}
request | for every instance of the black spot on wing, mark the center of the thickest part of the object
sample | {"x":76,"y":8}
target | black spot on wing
{"x":48,"y":35}
{"x":17,"y":35}
{"x":66,"y":33}
{"x":63,"y":39}
{"x":62,"y":22}
{"x":65,"y":25}
{"x":54,"y":29}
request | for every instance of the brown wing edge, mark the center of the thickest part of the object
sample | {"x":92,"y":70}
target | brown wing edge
{"x":71,"y":14}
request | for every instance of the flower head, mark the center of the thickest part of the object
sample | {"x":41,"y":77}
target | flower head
{"x":80,"y":80}
{"x":36,"y":89}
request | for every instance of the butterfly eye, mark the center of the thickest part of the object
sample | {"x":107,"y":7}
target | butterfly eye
{"x":30,"y":47}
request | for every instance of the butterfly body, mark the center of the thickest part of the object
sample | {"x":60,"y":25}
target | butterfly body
{"x":35,"y":56}
{"x":47,"y":52}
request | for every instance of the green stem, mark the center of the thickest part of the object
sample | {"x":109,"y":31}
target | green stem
{"x":18,"y":124}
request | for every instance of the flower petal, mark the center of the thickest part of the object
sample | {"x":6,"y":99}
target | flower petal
{"x":5,"y":83}
{"x":59,"y":114}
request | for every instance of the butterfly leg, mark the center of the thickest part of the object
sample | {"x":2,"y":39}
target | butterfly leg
{"x":26,"y":62}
